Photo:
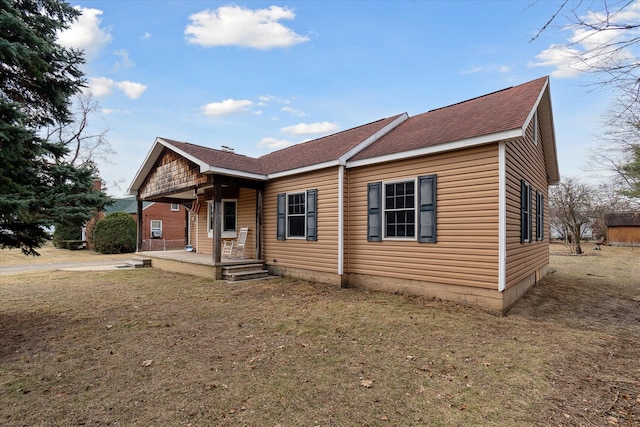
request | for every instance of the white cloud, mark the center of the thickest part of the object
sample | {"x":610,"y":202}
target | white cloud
{"x":131,"y":89}
{"x":294,"y":112}
{"x":228,"y":106}
{"x":588,"y":47}
{"x":563,"y":59}
{"x":102,"y":86}
{"x":310,"y":128}
{"x":239,"y":26}
{"x":86,"y":34}
{"x":146,"y":36}
{"x":275,"y":144}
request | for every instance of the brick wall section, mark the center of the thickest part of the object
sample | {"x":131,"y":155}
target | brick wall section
{"x":173,"y":227}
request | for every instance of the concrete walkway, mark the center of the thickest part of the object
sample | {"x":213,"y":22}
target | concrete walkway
{"x":96,"y":265}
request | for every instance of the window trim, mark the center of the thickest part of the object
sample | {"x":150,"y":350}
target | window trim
{"x":223,"y":234}
{"x":310,"y":215}
{"x":152,"y":228}
{"x":175,"y":207}
{"x":231,"y":234}
{"x":303,"y":215}
{"x":384,"y":210}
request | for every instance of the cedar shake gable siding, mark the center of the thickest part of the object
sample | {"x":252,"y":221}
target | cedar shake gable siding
{"x":494,"y":113}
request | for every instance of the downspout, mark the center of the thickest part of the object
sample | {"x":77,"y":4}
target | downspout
{"x":502,"y":216}
{"x":340,"y":220}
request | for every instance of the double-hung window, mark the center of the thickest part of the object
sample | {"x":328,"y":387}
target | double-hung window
{"x":229,"y":217}
{"x":402,"y":210}
{"x":156,"y":229}
{"x":297,"y":215}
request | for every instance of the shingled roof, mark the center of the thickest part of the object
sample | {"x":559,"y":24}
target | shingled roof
{"x":322,"y":150}
{"x":497,"y":116}
{"x":490,"y":114}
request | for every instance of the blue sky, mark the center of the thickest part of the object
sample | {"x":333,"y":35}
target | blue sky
{"x":258,"y":76}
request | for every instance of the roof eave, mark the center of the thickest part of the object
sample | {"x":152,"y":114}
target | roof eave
{"x":233,"y":172}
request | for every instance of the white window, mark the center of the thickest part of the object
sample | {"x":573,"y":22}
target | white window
{"x":175,"y":207}
{"x":400,"y":209}
{"x":156,"y":229}
{"x":229,"y":218}
{"x":296,"y":215}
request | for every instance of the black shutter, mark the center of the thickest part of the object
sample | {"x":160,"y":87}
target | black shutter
{"x":539,"y":216}
{"x":525,"y":211}
{"x":312,"y":215}
{"x":427,"y":209}
{"x":374,"y":212}
{"x":281,"y":227}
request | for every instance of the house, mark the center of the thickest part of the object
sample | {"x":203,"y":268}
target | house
{"x":163,"y":226}
{"x":451,"y":203}
{"x":623,"y":228}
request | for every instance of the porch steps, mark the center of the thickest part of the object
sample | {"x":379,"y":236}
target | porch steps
{"x":138,"y":262}
{"x":236,"y":273}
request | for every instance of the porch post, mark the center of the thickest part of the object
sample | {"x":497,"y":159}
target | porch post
{"x":139,"y":225}
{"x":259,"y":223}
{"x":216,"y":225}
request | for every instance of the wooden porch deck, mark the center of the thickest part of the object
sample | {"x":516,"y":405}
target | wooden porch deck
{"x":195,"y":258}
{"x":195,"y":264}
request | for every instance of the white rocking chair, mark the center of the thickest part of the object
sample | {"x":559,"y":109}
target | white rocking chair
{"x":235,"y":248}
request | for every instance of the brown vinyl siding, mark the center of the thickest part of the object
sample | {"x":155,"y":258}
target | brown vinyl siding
{"x":466,"y":252}
{"x":247,"y":217}
{"x":525,"y":160}
{"x":320,"y":255}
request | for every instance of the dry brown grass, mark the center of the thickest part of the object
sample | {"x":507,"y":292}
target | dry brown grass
{"x":74,"y":349}
{"x":49,"y":254}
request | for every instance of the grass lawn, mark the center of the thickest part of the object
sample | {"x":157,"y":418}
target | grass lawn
{"x":146,"y":347}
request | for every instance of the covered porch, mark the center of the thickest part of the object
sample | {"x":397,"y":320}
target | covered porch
{"x":219,"y":202}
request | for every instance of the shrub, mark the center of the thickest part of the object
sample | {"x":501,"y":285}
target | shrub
{"x":64,"y":233}
{"x":115,"y":234}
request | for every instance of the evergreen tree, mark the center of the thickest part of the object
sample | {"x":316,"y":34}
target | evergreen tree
{"x":38,"y":77}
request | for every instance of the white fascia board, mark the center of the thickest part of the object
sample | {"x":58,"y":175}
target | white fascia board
{"x":305,"y":169}
{"x":535,"y":107}
{"x":145,"y":168}
{"x":203,"y":166}
{"x":373,"y":138}
{"x":232,"y":172}
{"x":447,"y":146}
